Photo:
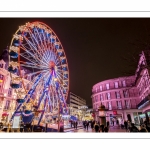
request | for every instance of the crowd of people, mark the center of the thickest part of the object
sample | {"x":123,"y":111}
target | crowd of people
{"x":96,"y":126}
{"x":130,"y":127}
{"x":74,"y":124}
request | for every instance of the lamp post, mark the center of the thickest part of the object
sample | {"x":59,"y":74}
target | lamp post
{"x":102,"y":114}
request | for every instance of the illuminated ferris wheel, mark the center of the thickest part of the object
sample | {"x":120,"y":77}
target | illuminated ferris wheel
{"x":36,"y":48}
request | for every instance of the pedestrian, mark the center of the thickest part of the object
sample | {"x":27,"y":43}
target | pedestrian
{"x":105,"y":129}
{"x":108,"y":124}
{"x":76,"y":124}
{"x":129,"y":125}
{"x":46,"y":127}
{"x":87,"y":125}
{"x":133,"y":128}
{"x":113,"y":122}
{"x":102,"y":127}
{"x":126,"y":125}
{"x":84,"y":124}
{"x":143,"y":128}
{"x":21,"y":126}
{"x":96,"y":127}
{"x":117,"y":122}
{"x":92,"y":125}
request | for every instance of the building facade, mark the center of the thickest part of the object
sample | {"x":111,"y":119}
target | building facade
{"x":75,"y":102}
{"x":127,"y":97}
{"x":120,"y":98}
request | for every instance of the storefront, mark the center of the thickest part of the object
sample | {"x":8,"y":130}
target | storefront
{"x":66,"y":120}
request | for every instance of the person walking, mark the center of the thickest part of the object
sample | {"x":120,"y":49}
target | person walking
{"x":92,"y":125}
{"x":84,"y":123}
{"x":143,"y":128}
{"x":21,"y":126}
{"x":105,"y":129}
{"x":87,"y":125}
{"x":133,"y":128}
{"x":126,"y":125}
{"x":102,"y":127}
{"x":113,"y":122}
{"x":107,"y":124}
{"x":96,"y":127}
{"x":76,"y":124}
{"x":129,"y":125}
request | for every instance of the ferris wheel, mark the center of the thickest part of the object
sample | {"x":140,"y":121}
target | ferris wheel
{"x":44,"y":85}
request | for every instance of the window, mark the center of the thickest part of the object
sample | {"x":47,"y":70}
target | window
{"x":124,"y":83}
{"x":9,"y":92}
{"x":1,"y":65}
{"x":101,"y":88}
{"x":117,"y":94}
{"x":127,"y":103}
{"x":96,"y":98}
{"x":109,"y":106}
{"x":119,"y":106}
{"x":107,"y":86}
{"x":1,"y":77}
{"x":101,"y":97}
{"x":96,"y":89}
{"x":116,"y":84}
{"x":126,"y":93}
{"x":7,"y":105}
{"x":108,"y":95}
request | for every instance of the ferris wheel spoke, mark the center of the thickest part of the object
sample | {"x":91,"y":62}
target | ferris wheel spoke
{"x":32,"y":65}
{"x":40,"y":39}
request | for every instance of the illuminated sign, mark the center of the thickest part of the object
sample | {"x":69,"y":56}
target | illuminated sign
{"x":114,"y":112}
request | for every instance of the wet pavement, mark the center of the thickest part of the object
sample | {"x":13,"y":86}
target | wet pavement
{"x":114,"y":129}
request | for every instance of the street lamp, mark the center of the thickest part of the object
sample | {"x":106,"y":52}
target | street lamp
{"x":102,"y":114}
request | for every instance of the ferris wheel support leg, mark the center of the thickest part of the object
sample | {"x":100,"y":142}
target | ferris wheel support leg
{"x":42,"y":112}
{"x":30,"y":92}
{"x":15,"y":112}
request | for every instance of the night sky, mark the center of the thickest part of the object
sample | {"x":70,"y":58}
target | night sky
{"x":97,"y":49}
